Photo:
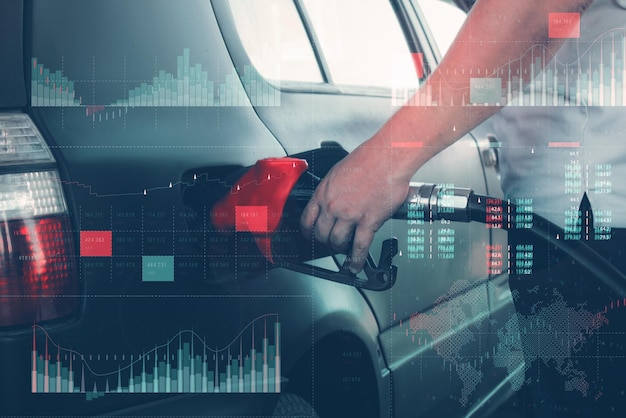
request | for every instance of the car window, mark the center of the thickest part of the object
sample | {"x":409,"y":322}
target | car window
{"x":444,"y":19}
{"x":362,"y":42}
{"x":274,"y":38}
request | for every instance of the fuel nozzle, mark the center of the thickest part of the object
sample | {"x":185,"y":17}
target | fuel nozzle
{"x":437,"y":202}
{"x":267,"y":199}
{"x":256,"y":200}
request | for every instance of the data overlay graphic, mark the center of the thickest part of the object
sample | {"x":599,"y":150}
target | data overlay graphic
{"x":596,"y":77}
{"x":185,"y":363}
{"x":189,"y":86}
{"x":551,"y":336}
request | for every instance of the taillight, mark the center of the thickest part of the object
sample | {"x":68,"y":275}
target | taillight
{"x":38,"y":275}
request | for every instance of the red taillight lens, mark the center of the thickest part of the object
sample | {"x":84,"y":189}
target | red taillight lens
{"x":38,"y":278}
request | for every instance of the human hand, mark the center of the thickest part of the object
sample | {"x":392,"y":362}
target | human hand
{"x":353,"y":201}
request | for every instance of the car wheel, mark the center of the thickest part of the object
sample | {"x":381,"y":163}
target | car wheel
{"x":290,"y":405}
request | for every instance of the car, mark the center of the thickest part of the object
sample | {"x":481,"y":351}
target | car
{"x":124,"y":291}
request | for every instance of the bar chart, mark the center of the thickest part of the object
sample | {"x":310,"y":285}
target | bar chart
{"x":251,"y":363}
{"x":190,"y":86}
{"x":596,"y":77}
{"x":51,"y":89}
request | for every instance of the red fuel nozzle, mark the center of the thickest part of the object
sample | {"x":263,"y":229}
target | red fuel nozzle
{"x":256,"y":201}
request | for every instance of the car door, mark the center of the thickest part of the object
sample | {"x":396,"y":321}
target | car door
{"x":364,"y":60}
{"x":142,"y":251}
{"x":120,"y":93}
{"x":485,"y":382}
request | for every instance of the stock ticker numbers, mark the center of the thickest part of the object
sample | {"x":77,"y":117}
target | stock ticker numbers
{"x":495,"y":259}
{"x":159,"y":245}
{"x":427,"y":242}
{"x":494,"y":213}
{"x":563,"y":25}
{"x":573,"y":178}
{"x":152,"y":245}
{"x":416,"y":234}
{"x":574,"y":175}
{"x":510,"y":214}
{"x":603,"y":183}
{"x":445,"y":243}
{"x":523,"y":213}
{"x":597,"y":179}
{"x":524,"y":255}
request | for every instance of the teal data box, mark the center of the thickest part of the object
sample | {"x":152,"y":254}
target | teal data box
{"x":157,"y":268}
{"x":486,"y":91}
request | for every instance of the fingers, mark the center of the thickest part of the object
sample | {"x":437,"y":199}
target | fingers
{"x":363,"y":238}
{"x":308,"y":217}
{"x":327,"y":229}
{"x":341,"y":235}
{"x":323,"y":225}
{"x":338,"y":231}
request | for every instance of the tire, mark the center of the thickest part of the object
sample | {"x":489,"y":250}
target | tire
{"x":290,"y":405}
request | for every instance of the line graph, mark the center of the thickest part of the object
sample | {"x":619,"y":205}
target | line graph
{"x":596,"y":77}
{"x":185,"y":363}
{"x":197,"y":178}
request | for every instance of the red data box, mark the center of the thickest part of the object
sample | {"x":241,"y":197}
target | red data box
{"x":251,"y":219}
{"x":96,"y":243}
{"x":564,"y":25}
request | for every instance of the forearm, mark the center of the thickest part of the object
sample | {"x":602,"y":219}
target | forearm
{"x":496,"y":33}
{"x":348,"y":207}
